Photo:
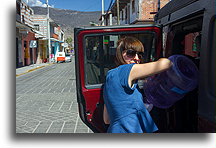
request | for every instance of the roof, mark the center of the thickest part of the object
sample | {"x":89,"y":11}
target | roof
{"x":114,"y":26}
{"x":173,"y":6}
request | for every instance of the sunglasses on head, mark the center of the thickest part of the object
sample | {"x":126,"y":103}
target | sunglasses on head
{"x":132,"y":53}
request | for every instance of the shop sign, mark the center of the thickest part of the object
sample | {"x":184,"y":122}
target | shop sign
{"x":23,"y":31}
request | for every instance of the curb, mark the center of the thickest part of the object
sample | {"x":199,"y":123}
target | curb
{"x":35,"y":68}
{"x":30,"y":70}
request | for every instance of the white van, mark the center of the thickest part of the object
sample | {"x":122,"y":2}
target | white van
{"x":60,"y":57}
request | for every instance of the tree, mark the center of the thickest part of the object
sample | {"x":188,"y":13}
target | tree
{"x":69,"y":41}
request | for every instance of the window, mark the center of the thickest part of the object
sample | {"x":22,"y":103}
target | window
{"x":93,"y":59}
{"x":126,"y":15}
{"x":133,"y":6}
{"x":100,"y":54}
{"x":122,"y":15}
{"x":37,"y":27}
{"x":192,"y":44}
{"x":212,"y":53}
{"x":18,"y":8}
{"x":23,"y":18}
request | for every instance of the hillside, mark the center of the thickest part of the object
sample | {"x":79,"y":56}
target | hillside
{"x":68,"y":19}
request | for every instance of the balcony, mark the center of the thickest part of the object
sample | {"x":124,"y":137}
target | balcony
{"x":122,"y":4}
{"x":27,"y":21}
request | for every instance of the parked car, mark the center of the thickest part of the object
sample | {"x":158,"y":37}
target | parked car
{"x":68,"y":58}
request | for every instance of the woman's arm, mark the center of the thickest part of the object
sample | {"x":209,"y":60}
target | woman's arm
{"x":106,"y":116}
{"x":139,"y":71}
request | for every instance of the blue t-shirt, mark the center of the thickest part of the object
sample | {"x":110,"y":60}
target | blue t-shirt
{"x":124,"y":104}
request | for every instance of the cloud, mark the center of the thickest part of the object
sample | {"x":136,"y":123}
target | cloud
{"x":37,"y":3}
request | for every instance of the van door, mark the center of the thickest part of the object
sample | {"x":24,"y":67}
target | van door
{"x":95,"y":49}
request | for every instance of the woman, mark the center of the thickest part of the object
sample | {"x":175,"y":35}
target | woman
{"x":124,"y":109}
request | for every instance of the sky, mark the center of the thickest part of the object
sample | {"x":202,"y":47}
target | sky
{"x":79,"y":5}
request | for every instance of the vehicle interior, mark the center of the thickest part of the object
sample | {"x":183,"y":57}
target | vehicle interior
{"x":184,"y":39}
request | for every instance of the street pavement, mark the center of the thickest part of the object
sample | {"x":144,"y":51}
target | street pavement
{"x":46,"y":99}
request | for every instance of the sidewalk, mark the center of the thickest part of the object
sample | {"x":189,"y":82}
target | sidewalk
{"x":26,"y":69}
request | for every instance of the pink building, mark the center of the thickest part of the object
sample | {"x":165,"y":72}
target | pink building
{"x":25,"y":53}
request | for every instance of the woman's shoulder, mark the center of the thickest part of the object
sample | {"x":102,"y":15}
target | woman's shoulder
{"x":112,"y":71}
{"x":125,"y":66}
{"x":119,"y":68}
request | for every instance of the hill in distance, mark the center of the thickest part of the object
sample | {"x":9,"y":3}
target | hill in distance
{"x":69,"y":19}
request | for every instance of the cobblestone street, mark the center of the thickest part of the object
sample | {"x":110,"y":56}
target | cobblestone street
{"x":46,"y":101}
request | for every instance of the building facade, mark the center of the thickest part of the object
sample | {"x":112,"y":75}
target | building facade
{"x":40,"y":27}
{"x":56,"y":38}
{"x":32,"y":36}
{"x":136,"y":11}
{"x":25,"y":54}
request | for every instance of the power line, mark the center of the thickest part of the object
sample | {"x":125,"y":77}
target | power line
{"x":111,"y":2}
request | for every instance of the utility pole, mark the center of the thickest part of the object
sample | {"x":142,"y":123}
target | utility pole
{"x":118,"y":16}
{"x":110,"y":18}
{"x":48,"y":32}
{"x":102,"y":13}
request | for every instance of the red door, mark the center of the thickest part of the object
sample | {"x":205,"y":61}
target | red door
{"x":95,"y":56}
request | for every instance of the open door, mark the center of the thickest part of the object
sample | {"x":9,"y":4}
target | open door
{"x":95,"y":49}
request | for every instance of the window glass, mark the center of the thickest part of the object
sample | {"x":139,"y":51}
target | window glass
{"x":100,"y":54}
{"x":37,"y":27}
{"x":212,"y":68}
{"x":192,"y":44}
{"x":126,"y":15}
{"x":18,"y":8}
